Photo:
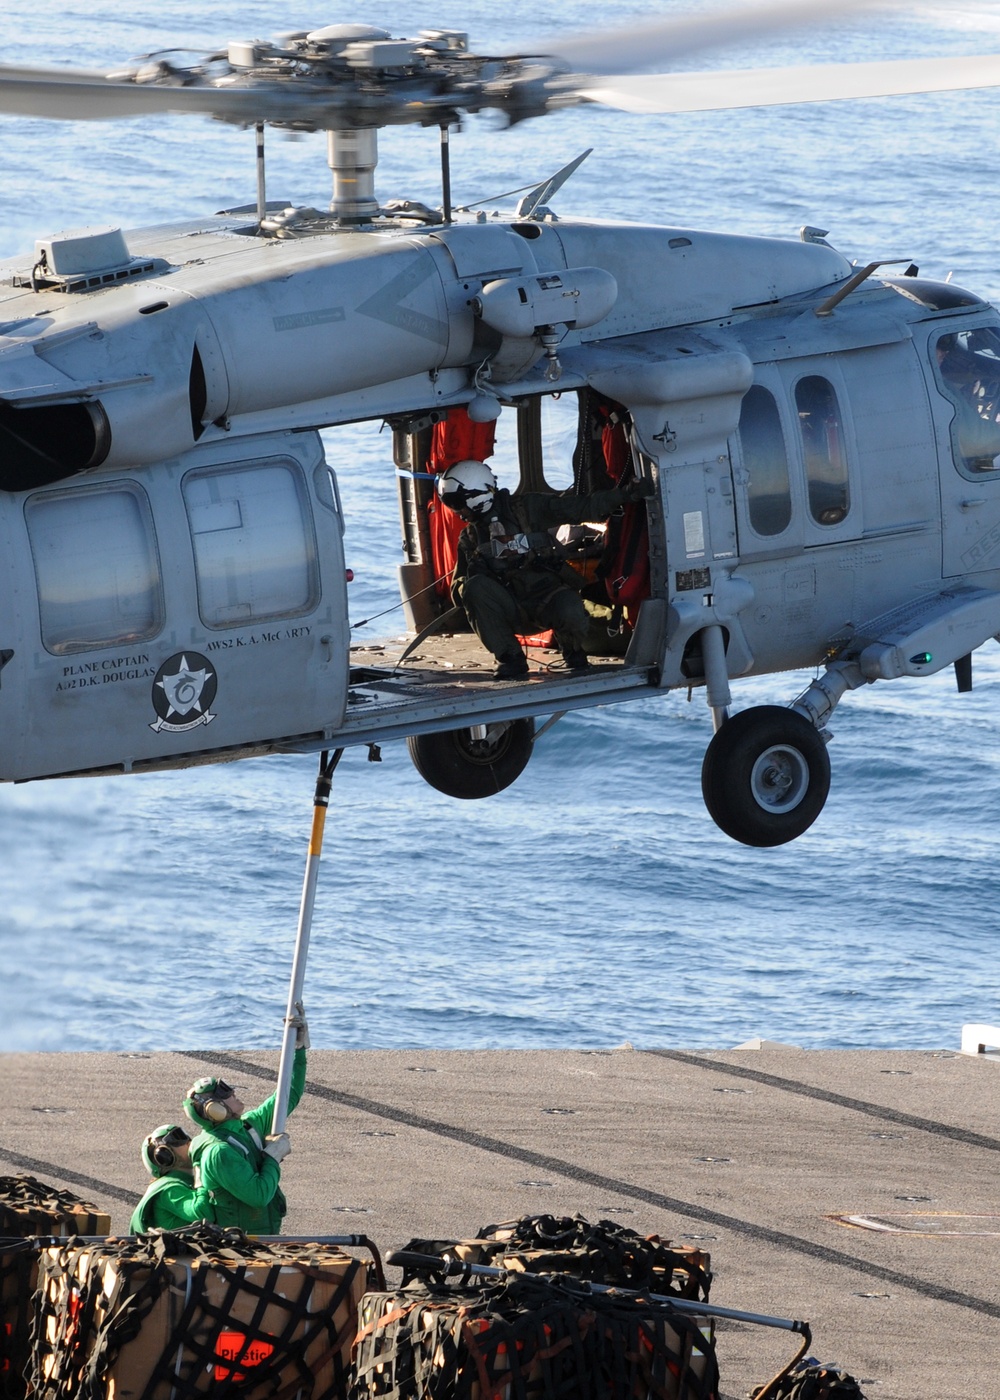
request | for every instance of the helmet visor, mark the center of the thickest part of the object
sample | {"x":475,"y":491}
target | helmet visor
{"x":477,"y":500}
{"x":173,"y":1137}
{"x":212,"y":1089}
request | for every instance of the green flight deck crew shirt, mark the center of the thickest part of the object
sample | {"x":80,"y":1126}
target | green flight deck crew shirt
{"x":242,"y":1181}
{"x":171,"y":1202}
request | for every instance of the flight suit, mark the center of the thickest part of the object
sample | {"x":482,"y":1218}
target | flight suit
{"x":171,"y":1202}
{"x":242,"y":1181}
{"x":510,"y":576}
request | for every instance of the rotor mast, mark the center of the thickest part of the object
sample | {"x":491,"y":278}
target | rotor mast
{"x":352,"y":156}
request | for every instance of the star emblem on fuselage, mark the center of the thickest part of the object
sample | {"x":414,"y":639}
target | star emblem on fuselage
{"x":183,"y":692}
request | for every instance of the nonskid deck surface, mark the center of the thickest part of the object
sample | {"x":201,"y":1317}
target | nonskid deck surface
{"x":393,"y":691}
{"x":857,"y":1190}
{"x":461,"y":657}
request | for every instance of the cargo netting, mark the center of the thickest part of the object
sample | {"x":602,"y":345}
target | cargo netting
{"x":811,"y":1381}
{"x":30,"y":1208}
{"x":192,"y":1312}
{"x":526,"y":1338}
{"x":605,"y":1252}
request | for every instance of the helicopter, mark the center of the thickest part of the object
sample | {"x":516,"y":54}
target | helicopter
{"x":175,"y":569}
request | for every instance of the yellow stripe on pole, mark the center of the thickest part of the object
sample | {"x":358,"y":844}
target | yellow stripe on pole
{"x":319,"y":823}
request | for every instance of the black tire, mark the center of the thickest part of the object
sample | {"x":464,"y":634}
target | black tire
{"x":460,"y":766}
{"x":766,"y":776}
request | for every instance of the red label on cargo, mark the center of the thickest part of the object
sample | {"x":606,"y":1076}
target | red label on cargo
{"x":233,"y":1347}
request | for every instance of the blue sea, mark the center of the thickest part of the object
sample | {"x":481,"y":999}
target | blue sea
{"x":594,"y":902}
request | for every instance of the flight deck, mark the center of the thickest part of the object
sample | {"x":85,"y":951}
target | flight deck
{"x":857,"y":1190}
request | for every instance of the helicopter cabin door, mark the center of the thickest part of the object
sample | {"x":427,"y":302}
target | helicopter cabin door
{"x":191,"y":608}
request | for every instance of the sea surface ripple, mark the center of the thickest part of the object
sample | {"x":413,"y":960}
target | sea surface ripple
{"x":594,"y":902}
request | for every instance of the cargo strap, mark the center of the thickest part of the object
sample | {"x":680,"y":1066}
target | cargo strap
{"x":605,"y":1252}
{"x":190,"y":1349}
{"x":18,"y":1264}
{"x":811,"y":1381}
{"x":23,"y":1192}
{"x":528,"y":1338}
{"x":29,"y":1208}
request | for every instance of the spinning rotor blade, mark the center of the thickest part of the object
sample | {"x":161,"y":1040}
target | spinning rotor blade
{"x":663,"y":41}
{"x":314,"y":88}
{"x":773,"y":87}
{"x":76,"y":95}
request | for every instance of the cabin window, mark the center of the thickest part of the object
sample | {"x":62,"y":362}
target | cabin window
{"x":254,"y":544}
{"x":823,"y":449}
{"x":968,"y":368}
{"x":96,"y":567}
{"x":762,"y":447}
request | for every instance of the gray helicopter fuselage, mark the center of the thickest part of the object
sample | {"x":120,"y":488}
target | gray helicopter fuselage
{"x":172,"y":540}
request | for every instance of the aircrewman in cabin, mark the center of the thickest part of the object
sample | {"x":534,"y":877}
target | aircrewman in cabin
{"x":236,"y":1158}
{"x":510,"y":575}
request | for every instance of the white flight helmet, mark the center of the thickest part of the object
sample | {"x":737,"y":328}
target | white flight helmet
{"x":468,"y":485}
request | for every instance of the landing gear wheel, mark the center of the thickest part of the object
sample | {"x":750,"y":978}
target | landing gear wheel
{"x":460,"y":765}
{"x":766,"y":776}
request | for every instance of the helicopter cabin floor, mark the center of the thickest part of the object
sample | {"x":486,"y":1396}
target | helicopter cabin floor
{"x":463,"y":656}
{"x":448,"y":681}
{"x":857,"y":1190}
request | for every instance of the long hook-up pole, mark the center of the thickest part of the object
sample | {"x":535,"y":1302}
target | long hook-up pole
{"x":320,"y":803}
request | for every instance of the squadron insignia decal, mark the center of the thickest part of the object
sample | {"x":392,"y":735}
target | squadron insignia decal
{"x":183,"y":692}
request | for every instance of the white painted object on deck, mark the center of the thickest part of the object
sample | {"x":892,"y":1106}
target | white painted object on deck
{"x":981,"y":1040}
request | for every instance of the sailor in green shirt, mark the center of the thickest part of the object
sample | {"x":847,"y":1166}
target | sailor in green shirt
{"x":172,"y":1200}
{"x":236,"y":1157}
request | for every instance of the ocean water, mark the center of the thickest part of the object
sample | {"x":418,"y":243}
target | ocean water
{"x":594,"y":902}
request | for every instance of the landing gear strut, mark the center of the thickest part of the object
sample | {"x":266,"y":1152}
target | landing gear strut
{"x":766,"y":776}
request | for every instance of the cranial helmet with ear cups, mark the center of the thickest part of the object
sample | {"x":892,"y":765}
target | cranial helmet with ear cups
{"x":159,"y":1151}
{"x":205,"y":1101}
{"x":468,"y":485}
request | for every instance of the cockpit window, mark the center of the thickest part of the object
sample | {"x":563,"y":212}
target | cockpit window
{"x":968,"y":371}
{"x":823,"y":449}
{"x":762,"y":445}
{"x":936,"y":296}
